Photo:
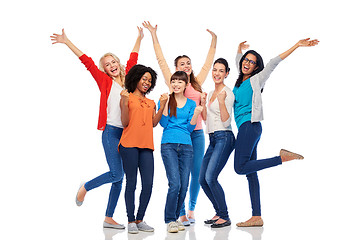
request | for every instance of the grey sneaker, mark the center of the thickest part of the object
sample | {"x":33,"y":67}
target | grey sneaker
{"x":180,"y":225}
{"x":172,"y":227}
{"x":142,"y":226}
{"x":132,"y":228}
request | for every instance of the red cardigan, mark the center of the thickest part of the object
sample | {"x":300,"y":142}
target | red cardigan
{"x":104,"y":83}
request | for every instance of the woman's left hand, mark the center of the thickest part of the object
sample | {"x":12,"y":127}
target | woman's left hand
{"x":307,"y":42}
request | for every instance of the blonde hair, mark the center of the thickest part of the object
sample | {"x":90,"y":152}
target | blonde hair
{"x":122,"y":68}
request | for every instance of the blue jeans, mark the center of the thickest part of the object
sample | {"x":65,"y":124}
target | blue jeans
{"x":135,"y":159}
{"x":246,"y":163}
{"x":198,"y":143}
{"x":216,"y":156}
{"x":110,"y":140}
{"x":177,"y":162}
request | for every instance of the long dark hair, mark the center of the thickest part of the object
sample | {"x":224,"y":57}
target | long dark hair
{"x":259,"y":65}
{"x":134,"y":75}
{"x":181,"y":76}
{"x":193,"y":81}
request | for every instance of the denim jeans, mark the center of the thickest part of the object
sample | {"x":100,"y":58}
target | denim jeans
{"x":135,"y":159}
{"x":216,"y":156}
{"x":110,"y":140}
{"x":246,"y":163}
{"x":198,"y":143}
{"x":177,"y":162}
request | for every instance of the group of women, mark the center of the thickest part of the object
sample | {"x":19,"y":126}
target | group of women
{"x":127,"y":118}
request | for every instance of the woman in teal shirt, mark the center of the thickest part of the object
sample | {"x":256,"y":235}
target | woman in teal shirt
{"x":248,"y":114}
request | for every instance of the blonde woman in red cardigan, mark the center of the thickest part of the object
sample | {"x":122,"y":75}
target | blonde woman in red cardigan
{"x":110,"y":77}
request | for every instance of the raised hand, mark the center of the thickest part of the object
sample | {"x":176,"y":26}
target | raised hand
{"x":57,"y":38}
{"x":141,"y":32}
{"x":221,"y":96}
{"x":307,"y":42}
{"x":212,"y":33}
{"x":163,"y":99}
{"x":125,"y":95}
{"x":198,"y":109}
{"x":203,"y":97}
{"x":243,"y":46}
{"x":148,"y":26}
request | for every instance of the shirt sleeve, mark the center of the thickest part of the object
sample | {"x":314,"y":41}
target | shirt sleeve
{"x":99,"y":76}
{"x":132,"y":61}
{"x":237,"y":61}
{"x":264,"y":75}
{"x":207,"y":66}
{"x":162,"y":63}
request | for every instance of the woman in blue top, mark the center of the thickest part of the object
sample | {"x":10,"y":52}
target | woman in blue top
{"x":248,"y":114}
{"x":178,"y":121}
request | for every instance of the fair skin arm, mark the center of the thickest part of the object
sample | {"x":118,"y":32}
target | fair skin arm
{"x":197,"y":112}
{"x":201,"y":77}
{"x":62,"y":38}
{"x":224,"y":114}
{"x":138,"y":40}
{"x":203,"y":103}
{"x":159,"y":54}
{"x":302,"y":43}
{"x":163,"y":103}
{"x":124,"y":105}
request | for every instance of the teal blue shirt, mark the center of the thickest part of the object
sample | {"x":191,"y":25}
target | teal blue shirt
{"x":243,"y":102}
{"x":178,"y":129}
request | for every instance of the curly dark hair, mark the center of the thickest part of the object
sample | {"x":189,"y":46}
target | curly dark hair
{"x":134,"y":75}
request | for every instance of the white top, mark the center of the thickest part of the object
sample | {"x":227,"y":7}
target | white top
{"x":113,"y":106}
{"x":213,"y":119}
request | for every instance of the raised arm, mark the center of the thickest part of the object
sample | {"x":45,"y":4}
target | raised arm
{"x":158,"y":52}
{"x":138,"y":40}
{"x":242,"y":46}
{"x":302,"y":43}
{"x":209,"y":59}
{"x":57,"y":38}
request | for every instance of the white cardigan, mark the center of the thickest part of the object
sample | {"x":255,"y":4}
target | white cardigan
{"x":257,"y":83}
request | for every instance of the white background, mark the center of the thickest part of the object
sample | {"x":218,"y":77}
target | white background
{"x":49,"y":111}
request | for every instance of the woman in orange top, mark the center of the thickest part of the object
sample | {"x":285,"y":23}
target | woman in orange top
{"x":138,"y":115}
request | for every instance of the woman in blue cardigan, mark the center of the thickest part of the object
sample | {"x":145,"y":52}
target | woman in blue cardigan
{"x":248,"y":113}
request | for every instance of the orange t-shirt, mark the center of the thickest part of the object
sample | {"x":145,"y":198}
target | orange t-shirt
{"x":139,"y":132}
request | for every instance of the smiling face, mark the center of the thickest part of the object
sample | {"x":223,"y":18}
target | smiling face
{"x":249,"y":64}
{"x":184,"y":64}
{"x":178,"y":86}
{"x":111,"y":66}
{"x":219,"y":73}
{"x":145,"y":83}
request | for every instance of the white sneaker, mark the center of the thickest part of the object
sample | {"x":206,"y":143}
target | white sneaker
{"x":172,"y":227}
{"x":181,"y":226}
{"x":132,"y":228}
{"x":142,"y":226}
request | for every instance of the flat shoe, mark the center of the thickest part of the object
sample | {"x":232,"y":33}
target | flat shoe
{"x":220,"y":225}
{"x":186,"y":223}
{"x":78,"y":203}
{"x":210,"y":221}
{"x":257,"y":223}
{"x":192,"y":220}
{"x":288,"y":156}
{"x":115,"y":226}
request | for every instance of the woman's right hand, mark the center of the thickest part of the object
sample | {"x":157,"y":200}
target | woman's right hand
{"x":125,"y":95}
{"x":57,"y":38}
{"x":148,"y":26}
